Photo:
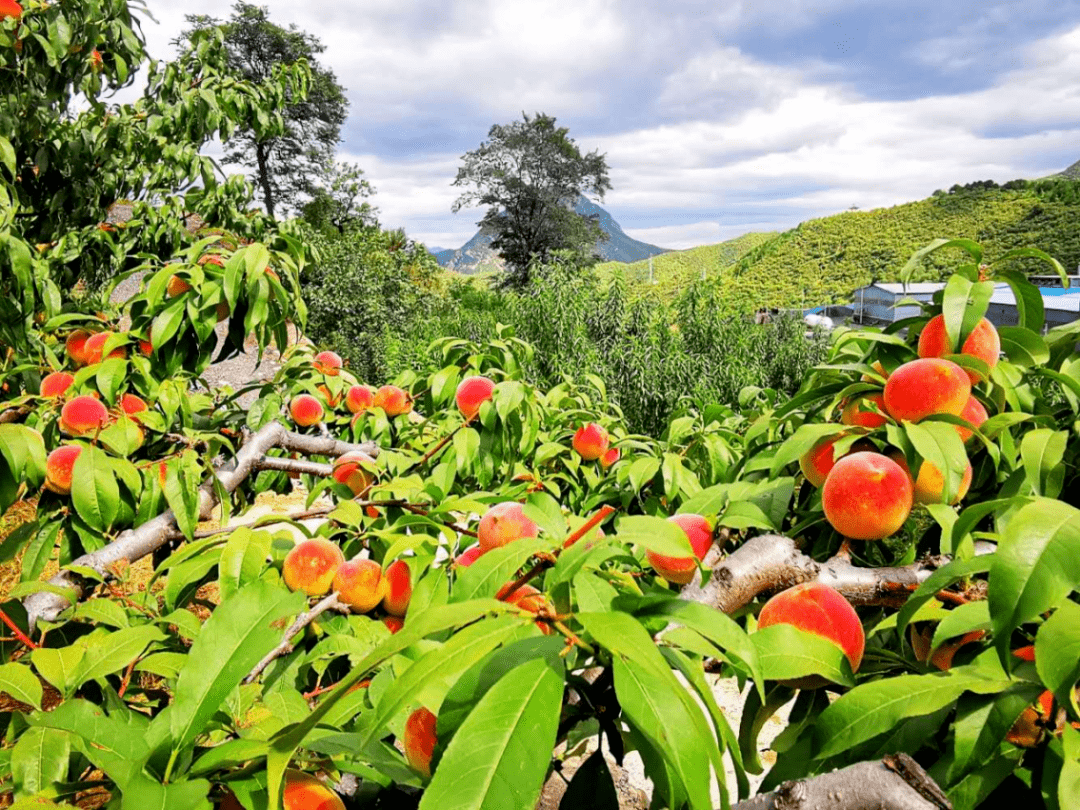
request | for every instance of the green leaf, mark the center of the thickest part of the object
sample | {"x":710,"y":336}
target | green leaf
{"x":939,"y":444}
{"x":982,"y":723}
{"x":94,"y":491}
{"x":499,"y":756}
{"x":964,"y":304}
{"x":940,"y":579}
{"x":1036,"y":566}
{"x":593,"y":594}
{"x":39,"y":760}
{"x":787,"y":653}
{"x":1057,"y":650}
{"x":237,"y":635}
{"x":116,"y":742}
{"x":145,"y":794}
{"x":494,"y":569}
{"x":1028,"y":297}
{"x":18,"y":681}
{"x":182,"y":495}
{"x":109,"y":652}
{"x":59,"y":665}
{"x":243,"y":559}
{"x":1023,"y":347}
{"x":969,"y":246}
{"x":1042,"y":451}
{"x":655,"y":534}
{"x":1069,"y":781}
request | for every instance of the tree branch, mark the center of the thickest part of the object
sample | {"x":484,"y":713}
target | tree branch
{"x":303,"y":620}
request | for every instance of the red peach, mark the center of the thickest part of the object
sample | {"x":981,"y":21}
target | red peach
{"x":504,"y":523}
{"x":393,"y":400}
{"x":9,"y":8}
{"x":349,"y":469}
{"x":879,"y":368}
{"x":95,"y":345}
{"x":471,"y":393}
{"x":306,"y":410}
{"x":609,"y":458}
{"x":58,"y":468}
{"x":973,"y":412}
{"x":1027,"y":731}
{"x":146,"y":347}
{"x":97,"y":64}
{"x":926,"y":387}
{"x":56,"y":384}
{"x":591,"y":441}
{"x":983,"y":343}
{"x":419,"y":740}
{"x":359,"y":398}
{"x":680,"y":570}
{"x":215,"y":259}
{"x":177,"y":286}
{"x":76,"y":346}
{"x":929,"y":485}
{"x":867,"y":496}
{"x":527,"y":598}
{"x":312,"y":565}
{"x":328,"y":363}
{"x":819,"y":459}
{"x":856,"y":412}
{"x":360,"y":584}
{"x":823,"y":611}
{"x":83,"y":415}
{"x":398,"y":588}
{"x":468,"y":556}
{"x":302,"y":791}
{"x":133,"y":405}
{"x":393,"y":623}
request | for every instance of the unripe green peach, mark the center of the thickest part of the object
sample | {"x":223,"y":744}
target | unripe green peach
{"x":312,"y":565}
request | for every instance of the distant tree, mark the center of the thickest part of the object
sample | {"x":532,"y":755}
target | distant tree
{"x":338,"y":200}
{"x":283,"y":165}
{"x":530,"y":174}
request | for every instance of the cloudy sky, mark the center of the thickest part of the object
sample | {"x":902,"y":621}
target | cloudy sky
{"x":716,"y":117}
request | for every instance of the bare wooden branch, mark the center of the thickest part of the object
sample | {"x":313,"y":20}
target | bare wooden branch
{"x":294,"y":465}
{"x":303,"y":620}
{"x":896,"y":782}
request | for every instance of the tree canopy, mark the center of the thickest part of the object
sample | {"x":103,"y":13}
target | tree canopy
{"x":531,"y":173}
{"x":284,"y":165}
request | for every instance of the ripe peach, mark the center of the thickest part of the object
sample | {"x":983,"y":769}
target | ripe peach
{"x":177,"y":286}
{"x":680,"y":570}
{"x":471,"y":393}
{"x":329,"y":398}
{"x":591,"y":441}
{"x":393,"y":400}
{"x":96,"y":343}
{"x":879,"y":368}
{"x":83,"y":415}
{"x":9,"y":8}
{"x":393,"y":623}
{"x":360,"y":584}
{"x":398,"y":588}
{"x":468,"y":556}
{"x":1027,"y":731}
{"x":929,"y":486}
{"x":306,"y":410}
{"x":609,"y":458}
{"x":58,"y":468}
{"x":823,"y":611}
{"x":76,"y":346}
{"x":312,"y":565}
{"x":973,"y":412}
{"x":97,"y":64}
{"x":926,"y":387}
{"x":867,"y":496}
{"x":983,"y":343}
{"x":819,"y":459}
{"x":942,"y":656}
{"x":55,"y":384}
{"x":504,"y":523}
{"x":215,"y":259}
{"x":359,"y":398}
{"x":419,"y":740}
{"x":856,"y":412}
{"x":146,"y":347}
{"x":527,"y":598}
{"x":349,"y":469}
{"x":328,"y":363}
{"x":133,"y":405}
{"x":302,"y":791}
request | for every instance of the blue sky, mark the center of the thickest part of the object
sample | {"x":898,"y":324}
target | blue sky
{"x":716,"y":118}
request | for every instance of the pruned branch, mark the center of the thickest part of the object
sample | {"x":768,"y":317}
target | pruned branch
{"x":303,"y":620}
{"x":896,"y":782}
{"x":294,"y":465}
{"x":134,"y":544}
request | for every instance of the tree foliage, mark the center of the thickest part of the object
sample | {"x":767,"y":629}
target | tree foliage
{"x":339,"y":199}
{"x":530,"y":174}
{"x":285,"y":164}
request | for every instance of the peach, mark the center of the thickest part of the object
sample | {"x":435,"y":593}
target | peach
{"x":468,"y":556}
{"x":76,"y":346}
{"x":504,"y":523}
{"x":349,"y":469}
{"x":983,"y":343}
{"x":856,"y":412}
{"x":329,"y":398}
{"x":9,"y":8}
{"x":133,"y":405}
{"x":312,"y":565}
{"x":926,"y":387}
{"x":215,"y":259}
{"x":393,"y":400}
{"x":393,"y":623}
{"x":328,"y":363}
{"x":96,"y":343}
{"x":58,"y":468}
{"x":419,"y":740}
{"x":1027,"y":731}
{"x":306,"y":410}
{"x":146,"y":347}
{"x":360,"y":584}
{"x":823,"y":611}
{"x":973,"y":412}
{"x":359,"y":398}
{"x":591,"y":441}
{"x":879,"y":368}
{"x":929,"y":485}
{"x":398,"y":588}
{"x":867,"y":496}
{"x":942,"y":656}
{"x":680,"y":570}
{"x":302,"y":791}
{"x":609,"y":458}
{"x":471,"y":393}
{"x":177,"y":286}
{"x":56,"y":384}
{"x":816,"y":462}
{"x":527,"y":598}
{"x":83,"y":415}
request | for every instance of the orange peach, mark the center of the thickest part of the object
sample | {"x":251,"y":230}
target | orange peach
{"x":867,"y":496}
{"x":58,"y":468}
{"x":146,"y":347}
{"x":329,"y":398}
{"x":680,"y":570}
{"x":527,"y":598}
{"x":360,"y":584}
{"x":222,"y":311}
{"x":393,"y":623}
{"x":1028,"y":729}
{"x":504,"y":523}
{"x":302,"y":791}
{"x":468,"y":556}
{"x":306,"y":410}
{"x":823,"y":611}
{"x":393,"y":400}
{"x":819,"y":459}
{"x":471,"y":393}
{"x":10,"y":8}
{"x":973,"y":412}
{"x":312,"y":565}
{"x":95,"y":345}
{"x":76,"y":346}
{"x":983,"y":343}
{"x":83,"y":415}
{"x":610,"y":457}
{"x":419,"y":740}
{"x":591,"y":441}
{"x":929,"y":485}
{"x":177,"y":286}
{"x":942,"y":656}
{"x":133,"y":405}
{"x":879,"y":368}
{"x":349,"y":469}
{"x":926,"y":387}
{"x":328,"y":363}
{"x":359,"y":398}
{"x":56,"y":384}
{"x":398,"y":588}
{"x":215,"y":259}
{"x":856,"y":412}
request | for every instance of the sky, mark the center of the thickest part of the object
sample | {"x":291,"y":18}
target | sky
{"x":715,"y":118}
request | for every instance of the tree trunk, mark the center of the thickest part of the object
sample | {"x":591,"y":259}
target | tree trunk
{"x":262,"y":152}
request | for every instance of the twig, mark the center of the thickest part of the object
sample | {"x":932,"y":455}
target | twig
{"x":19,"y":634}
{"x":127,"y":676}
{"x":542,"y":564}
{"x":589,"y":525}
{"x":303,"y":620}
{"x":440,"y":445}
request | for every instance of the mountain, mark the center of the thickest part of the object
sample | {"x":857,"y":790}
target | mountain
{"x":476,"y":255}
{"x":1071,"y":173}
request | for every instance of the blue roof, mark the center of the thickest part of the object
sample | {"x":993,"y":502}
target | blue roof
{"x":1047,"y":291}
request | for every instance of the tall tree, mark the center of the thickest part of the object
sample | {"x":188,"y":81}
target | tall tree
{"x":283,"y":165}
{"x":531,"y":173}
{"x":338,"y":199}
